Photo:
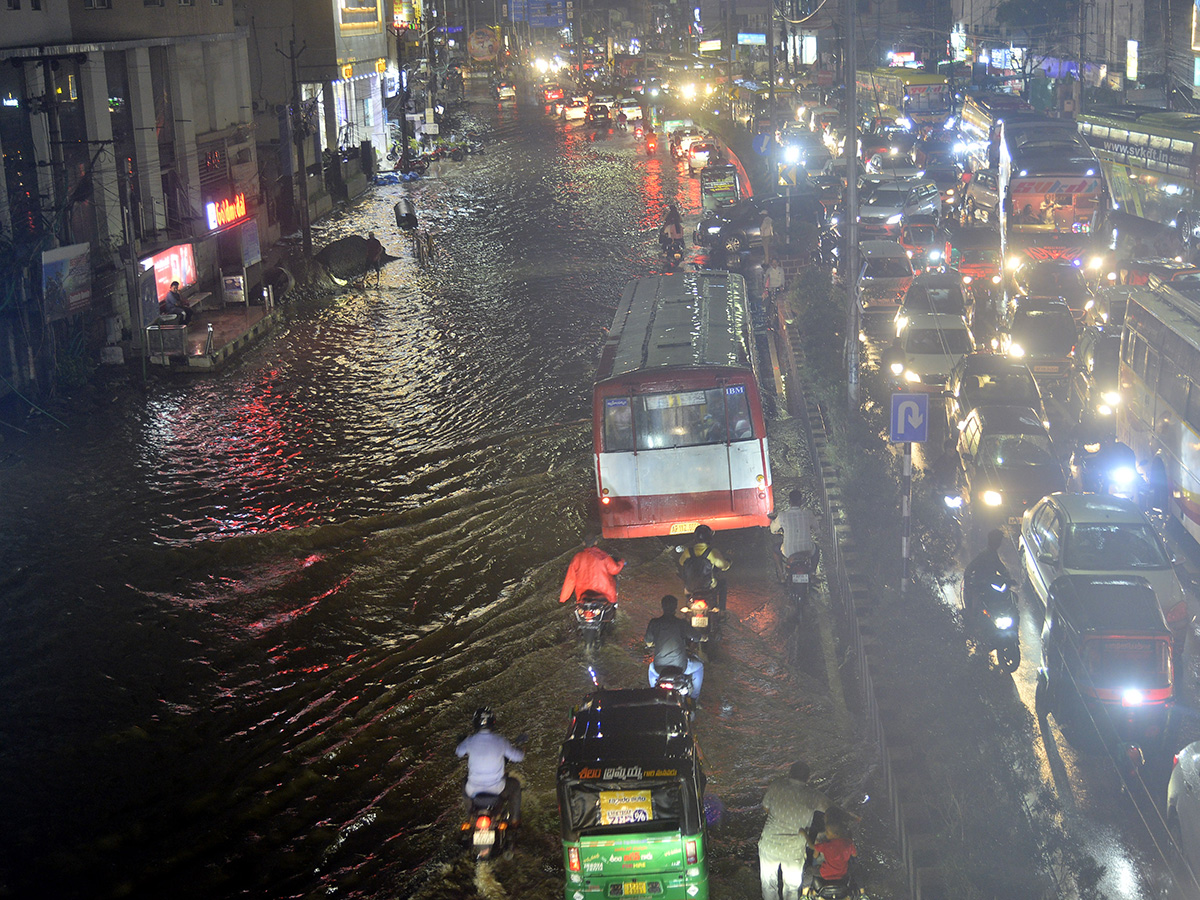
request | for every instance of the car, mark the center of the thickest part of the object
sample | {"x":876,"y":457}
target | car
{"x":1111,"y":301}
{"x":980,"y":197}
{"x":575,"y":110}
{"x":889,"y":204}
{"x":988,"y":379}
{"x":1044,"y":335}
{"x":506,"y":90}
{"x":921,"y":241}
{"x":1183,"y":801}
{"x":948,"y":178}
{"x":551,"y":92}
{"x":632,"y":109}
{"x":739,"y":229}
{"x":933,"y":292}
{"x":1098,"y":534}
{"x":932,"y":343}
{"x":598,"y":114}
{"x":1056,"y":278}
{"x":700,"y":154}
{"x":682,"y":139}
{"x":1009,"y":461}
{"x":1095,"y":392}
{"x":803,"y":148}
{"x":894,"y":167}
{"x":886,"y":275}
{"x":935,"y":150}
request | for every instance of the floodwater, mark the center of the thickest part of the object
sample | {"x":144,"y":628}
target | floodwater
{"x":244,"y":618}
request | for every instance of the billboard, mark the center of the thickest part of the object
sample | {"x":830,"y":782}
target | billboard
{"x":66,"y":281}
{"x":483,"y":44}
{"x":539,"y":13}
{"x":176,"y":263}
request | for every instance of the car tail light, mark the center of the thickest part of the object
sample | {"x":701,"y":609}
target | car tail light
{"x":573,"y":859}
{"x":689,"y":849}
{"x":1177,"y":613}
{"x":1174,"y":760}
{"x":483,"y":823}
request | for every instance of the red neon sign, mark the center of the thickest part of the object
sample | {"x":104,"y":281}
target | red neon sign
{"x":225,"y":212}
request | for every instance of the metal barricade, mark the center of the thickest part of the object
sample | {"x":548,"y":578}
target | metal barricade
{"x":166,"y":341}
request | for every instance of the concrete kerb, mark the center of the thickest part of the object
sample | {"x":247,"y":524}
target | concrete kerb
{"x":902,"y":768}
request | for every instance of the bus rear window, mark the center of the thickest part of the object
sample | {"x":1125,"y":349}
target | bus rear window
{"x":677,"y":419}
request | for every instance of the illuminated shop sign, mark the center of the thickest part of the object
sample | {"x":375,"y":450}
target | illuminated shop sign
{"x":225,"y":212}
{"x":176,"y":263}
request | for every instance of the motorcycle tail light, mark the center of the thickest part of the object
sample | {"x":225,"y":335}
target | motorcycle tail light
{"x":700,"y":605}
{"x":573,"y":859}
{"x":690,"y":850}
{"x":483,"y":823}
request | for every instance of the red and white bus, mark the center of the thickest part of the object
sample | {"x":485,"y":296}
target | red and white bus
{"x":678,"y":427}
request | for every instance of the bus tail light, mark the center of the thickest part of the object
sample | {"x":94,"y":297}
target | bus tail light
{"x":573,"y":859}
{"x":689,"y":849}
{"x":605,"y":501}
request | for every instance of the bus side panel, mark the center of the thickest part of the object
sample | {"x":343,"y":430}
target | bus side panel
{"x":657,"y":861}
{"x":651,"y":491}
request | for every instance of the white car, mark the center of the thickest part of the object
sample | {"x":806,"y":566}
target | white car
{"x":701,"y":154}
{"x":1183,"y":801}
{"x":933,"y":343}
{"x":576,"y":109}
{"x":631,"y":108}
{"x":1097,"y":534}
{"x":506,"y":91}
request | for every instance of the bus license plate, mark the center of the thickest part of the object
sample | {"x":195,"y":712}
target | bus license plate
{"x":684,"y":527}
{"x":699,"y":621}
{"x":799,"y":579}
{"x":484,"y":838}
{"x":633,"y":887}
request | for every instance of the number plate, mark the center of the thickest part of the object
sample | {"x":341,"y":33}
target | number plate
{"x":797,"y":578}
{"x":633,"y":887}
{"x":684,"y":527}
{"x":483,"y":838}
{"x":699,"y":621}
{"x":1014,"y":520}
{"x":1046,"y":370}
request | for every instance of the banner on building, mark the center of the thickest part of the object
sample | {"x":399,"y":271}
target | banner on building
{"x":66,"y":281}
{"x":176,"y":263}
{"x":251,"y":249}
{"x":483,"y":44}
{"x":539,"y":13}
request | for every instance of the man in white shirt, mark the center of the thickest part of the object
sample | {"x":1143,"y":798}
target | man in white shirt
{"x":796,"y":524}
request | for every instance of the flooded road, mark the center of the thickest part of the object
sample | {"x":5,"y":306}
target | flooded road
{"x":244,"y":618}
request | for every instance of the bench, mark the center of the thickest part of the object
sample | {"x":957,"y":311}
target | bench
{"x":196,"y":300}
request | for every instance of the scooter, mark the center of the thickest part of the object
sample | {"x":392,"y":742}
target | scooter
{"x":995,"y":620}
{"x":673,"y":248}
{"x":486,"y":830}
{"x":651,"y":145}
{"x":800,"y":570}
{"x":594,"y":615}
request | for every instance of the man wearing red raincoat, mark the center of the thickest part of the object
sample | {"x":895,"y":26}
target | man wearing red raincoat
{"x":591,"y":570}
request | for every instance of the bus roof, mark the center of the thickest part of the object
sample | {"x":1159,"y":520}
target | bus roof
{"x":686,"y":319}
{"x":1176,"y":307}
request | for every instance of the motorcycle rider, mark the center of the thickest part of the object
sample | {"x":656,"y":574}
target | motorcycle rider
{"x":796,"y":524}
{"x":947,"y":468}
{"x":668,"y":637}
{"x":983,"y":568}
{"x":672,"y":228}
{"x":791,"y":805}
{"x":706,"y":576}
{"x":591,"y":569}
{"x":1112,"y":463}
{"x":487,"y":752}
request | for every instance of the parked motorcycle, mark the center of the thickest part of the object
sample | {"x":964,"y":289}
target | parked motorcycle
{"x":992,"y":620}
{"x":800,"y":572}
{"x":594,"y":615}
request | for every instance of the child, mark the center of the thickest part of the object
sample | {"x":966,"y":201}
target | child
{"x":833,"y":851}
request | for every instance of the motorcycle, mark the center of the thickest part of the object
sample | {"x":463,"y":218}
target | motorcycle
{"x":638,"y":132}
{"x":673,"y":678}
{"x":993,"y":620}
{"x":1101,"y":473}
{"x":651,"y":145}
{"x":673,"y":248}
{"x":800,"y":570}
{"x":594,"y":615}
{"x":486,"y":830}
{"x":833,"y":890}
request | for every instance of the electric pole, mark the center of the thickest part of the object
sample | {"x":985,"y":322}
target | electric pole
{"x":850,"y":275}
{"x":299,"y":134}
{"x":402,"y":94}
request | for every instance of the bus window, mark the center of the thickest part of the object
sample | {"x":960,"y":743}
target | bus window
{"x":618,"y":424}
{"x":681,"y":419}
{"x":737,"y":408}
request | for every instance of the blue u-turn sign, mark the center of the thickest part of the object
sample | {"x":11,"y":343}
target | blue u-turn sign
{"x":910,"y":418}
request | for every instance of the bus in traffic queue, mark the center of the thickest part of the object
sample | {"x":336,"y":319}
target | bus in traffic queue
{"x":979,"y":119}
{"x":1151,"y":160}
{"x":898,"y":92}
{"x":678,"y":427}
{"x":1158,"y":412}
{"x":1053,"y":197}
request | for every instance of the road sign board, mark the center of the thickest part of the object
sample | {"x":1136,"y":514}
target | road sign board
{"x":762,"y":142}
{"x":910,"y":418}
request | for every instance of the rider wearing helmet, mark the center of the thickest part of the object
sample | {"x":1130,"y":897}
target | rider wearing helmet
{"x":984,"y":567}
{"x":487,"y":751}
{"x":702,"y":548}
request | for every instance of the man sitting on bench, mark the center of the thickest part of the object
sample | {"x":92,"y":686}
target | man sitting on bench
{"x":172,"y":304}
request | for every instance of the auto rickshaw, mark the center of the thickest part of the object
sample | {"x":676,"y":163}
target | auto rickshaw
{"x":631,"y":799}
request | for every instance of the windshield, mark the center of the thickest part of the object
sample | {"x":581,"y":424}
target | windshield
{"x":1045,"y":332}
{"x":1016,"y":450}
{"x":1008,"y":387}
{"x":919,"y":234}
{"x":887,"y":197}
{"x":1103,"y":547}
{"x":678,"y":419}
{"x":981,"y":257}
{"x":949,"y":341}
{"x":889,"y":267}
{"x":1054,"y":281}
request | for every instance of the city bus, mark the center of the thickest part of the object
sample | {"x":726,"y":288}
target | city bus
{"x":1151,"y":159}
{"x":897,"y":92}
{"x":678,"y":426}
{"x":1053,"y":197}
{"x":980,"y":119}
{"x":1158,"y":414}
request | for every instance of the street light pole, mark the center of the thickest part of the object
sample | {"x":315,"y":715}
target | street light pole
{"x":850,"y":276}
{"x":298,"y":136}
{"x":405,"y":160}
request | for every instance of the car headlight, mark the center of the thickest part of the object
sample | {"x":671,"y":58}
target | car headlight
{"x":1112,"y":398}
{"x":991,"y":498}
{"x":912,"y":377}
{"x":713,"y":229}
{"x":1003,"y":622}
{"x":1016,"y":350}
{"x":1123,"y":475}
{"x":935,"y":254}
{"x":895,"y":220}
{"x":1104,"y":409}
{"x":1132,"y":697}
{"x":967,"y":279}
{"x":897,"y":368}
{"x":907,"y":253}
{"x":995,"y":279}
{"x":791,"y":155}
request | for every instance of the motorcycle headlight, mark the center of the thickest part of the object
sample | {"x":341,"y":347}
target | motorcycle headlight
{"x":953,"y":502}
{"x":1016,"y":350}
{"x":1132,"y":697}
{"x":1123,"y":475}
{"x":1004,"y":622}
{"x":1112,"y":398}
{"x":991,"y":498}
{"x":995,"y":279}
{"x":897,"y":368}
